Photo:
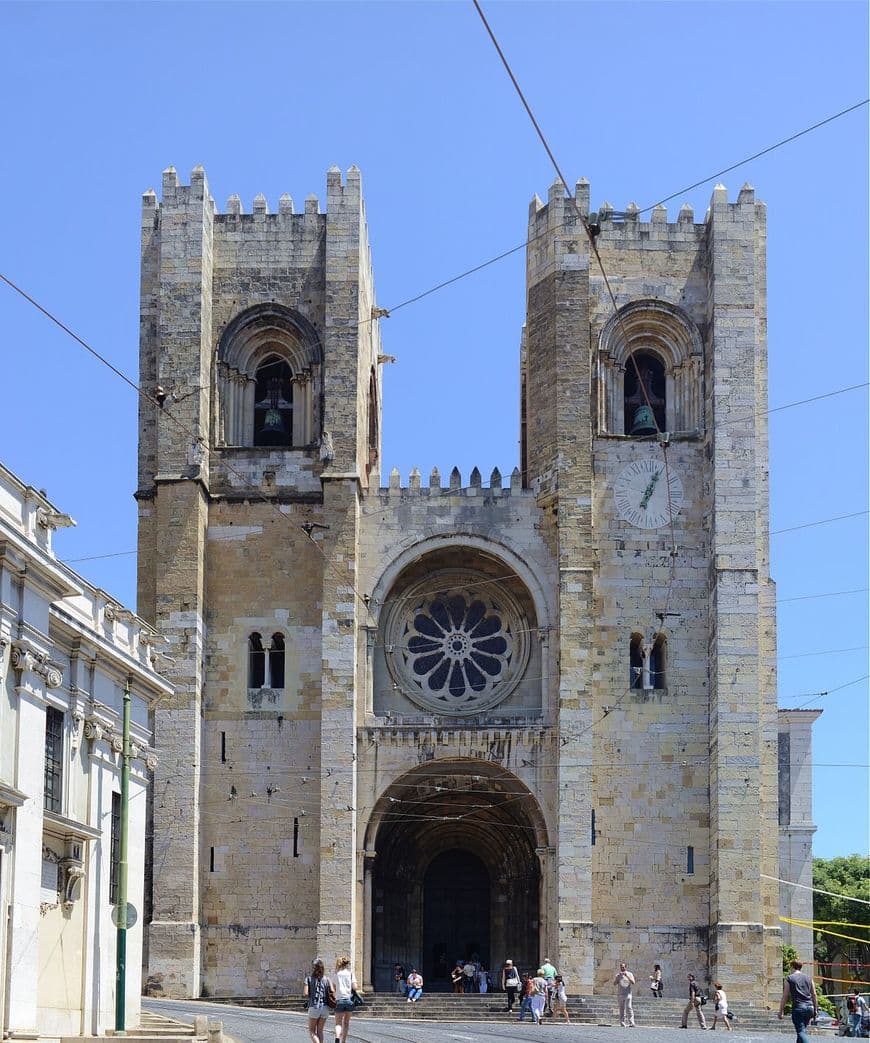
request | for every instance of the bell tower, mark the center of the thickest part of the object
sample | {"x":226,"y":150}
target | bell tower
{"x":645,"y":443}
{"x":260,"y":345}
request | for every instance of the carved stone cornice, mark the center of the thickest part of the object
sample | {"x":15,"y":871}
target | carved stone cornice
{"x":28,"y":659}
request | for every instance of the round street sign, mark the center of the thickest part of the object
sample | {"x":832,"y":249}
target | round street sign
{"x":132,"y":915}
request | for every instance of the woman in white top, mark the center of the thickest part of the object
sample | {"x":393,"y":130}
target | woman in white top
{"x":345,"y":985}
{"x":721,"y":1008}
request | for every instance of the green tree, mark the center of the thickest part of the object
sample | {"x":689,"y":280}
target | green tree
{"x":847,"y":877}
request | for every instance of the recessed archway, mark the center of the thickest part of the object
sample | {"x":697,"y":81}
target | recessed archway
{"x":456,"y":871}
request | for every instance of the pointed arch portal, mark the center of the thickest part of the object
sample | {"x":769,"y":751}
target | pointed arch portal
{"x":456,"y":872}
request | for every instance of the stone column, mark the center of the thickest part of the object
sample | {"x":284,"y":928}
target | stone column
{"x":368,"y":897}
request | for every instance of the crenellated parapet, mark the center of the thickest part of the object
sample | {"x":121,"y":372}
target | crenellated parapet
{"x":558,"y":215}
{"x":436,"y":487}
{"x":174,"y":192}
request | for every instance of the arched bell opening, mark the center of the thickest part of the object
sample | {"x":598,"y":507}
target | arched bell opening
{"x":456,"y":872}
{"x":645,"y":394}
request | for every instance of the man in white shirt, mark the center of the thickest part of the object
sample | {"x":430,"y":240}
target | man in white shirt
{"x":624,"y":980}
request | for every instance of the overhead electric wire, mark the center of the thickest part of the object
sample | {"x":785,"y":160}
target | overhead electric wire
{"x":821,"y":521}
{"x":712,"y":177}
{"x":258,"y":494}
{"x":758,"y":155}
{"x":815,"y":890}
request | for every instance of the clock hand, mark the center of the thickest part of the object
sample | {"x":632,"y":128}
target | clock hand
{"x":649,"y":490}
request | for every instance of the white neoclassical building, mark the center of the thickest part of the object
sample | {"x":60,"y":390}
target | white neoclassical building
{"x":67,"y":651}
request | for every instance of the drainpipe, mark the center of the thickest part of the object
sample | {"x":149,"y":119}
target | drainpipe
{"x":121,"y":946}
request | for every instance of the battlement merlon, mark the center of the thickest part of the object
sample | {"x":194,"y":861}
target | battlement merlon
{"x":341,"y":193}
{"x":497,"y":486}
{"x":557,"y":212}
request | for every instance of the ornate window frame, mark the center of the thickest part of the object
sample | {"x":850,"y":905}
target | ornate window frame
{"x":666,"y":333}
{"x":456,"y":643}
{"x":256,"y":335}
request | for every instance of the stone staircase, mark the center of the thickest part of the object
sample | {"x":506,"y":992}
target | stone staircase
{"x":157,"y":1028}
{"x":582,"y":1010}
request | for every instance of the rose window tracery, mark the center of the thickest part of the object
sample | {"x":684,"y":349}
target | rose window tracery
{"x":457,"y":650}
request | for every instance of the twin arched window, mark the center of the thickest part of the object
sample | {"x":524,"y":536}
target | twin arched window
{"x":265,"y":665}
{"x":646,"y":663}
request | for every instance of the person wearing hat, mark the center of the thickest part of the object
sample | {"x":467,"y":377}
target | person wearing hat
{"x":510,"y":982}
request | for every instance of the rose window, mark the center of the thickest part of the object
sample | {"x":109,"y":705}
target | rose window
{"x":458,"y":650}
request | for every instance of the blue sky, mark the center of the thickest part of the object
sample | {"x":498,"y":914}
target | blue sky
{"x":641,"y":99}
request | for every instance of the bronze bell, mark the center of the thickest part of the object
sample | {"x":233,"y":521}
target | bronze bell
{"x":643,"y":422}
{"x":273,"y":424}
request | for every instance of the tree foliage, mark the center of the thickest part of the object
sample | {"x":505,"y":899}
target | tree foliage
{"x":848,"y":877}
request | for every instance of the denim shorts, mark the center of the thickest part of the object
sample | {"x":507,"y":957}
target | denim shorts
{"x":318,"y":1012}
{"x":344,"y":1007}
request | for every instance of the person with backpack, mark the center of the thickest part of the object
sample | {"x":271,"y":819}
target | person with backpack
{"x":318,"y":990}
{"x":695,"y":1001}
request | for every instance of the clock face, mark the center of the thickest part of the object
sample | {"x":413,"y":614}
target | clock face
{"x":646,"y":496}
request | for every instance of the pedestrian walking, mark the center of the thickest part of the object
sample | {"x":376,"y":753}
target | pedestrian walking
{"x":856,"y":1008}
{"x":720,"y":1007}
{"x":560,"y":999}
{"x":482,"y":977}
{"x":526,"y":1000}
{"x":415,"y":985}
{"x":345,"y":986}
{"x":539,"y":996}
{"x":624,"y":982}
{"x":316,"y":989}
{"x":801,"y":990}
{"x":655,"y":982}
{"x":694,"y":1004}
{"x":510,"y":982}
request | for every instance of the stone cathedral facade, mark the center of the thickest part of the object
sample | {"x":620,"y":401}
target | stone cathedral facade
{"x":421,"y":718}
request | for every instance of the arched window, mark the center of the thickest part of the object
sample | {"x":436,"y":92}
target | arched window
{"x":256,"y":662}
{"x":644,"y":405}
{"x":273,"y":403}
{"x":276,"y":662}
{"x":265,"y":665}
{"x":668,"y":350}
{"x":646,"y":669}
{"x":268,"y":380}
